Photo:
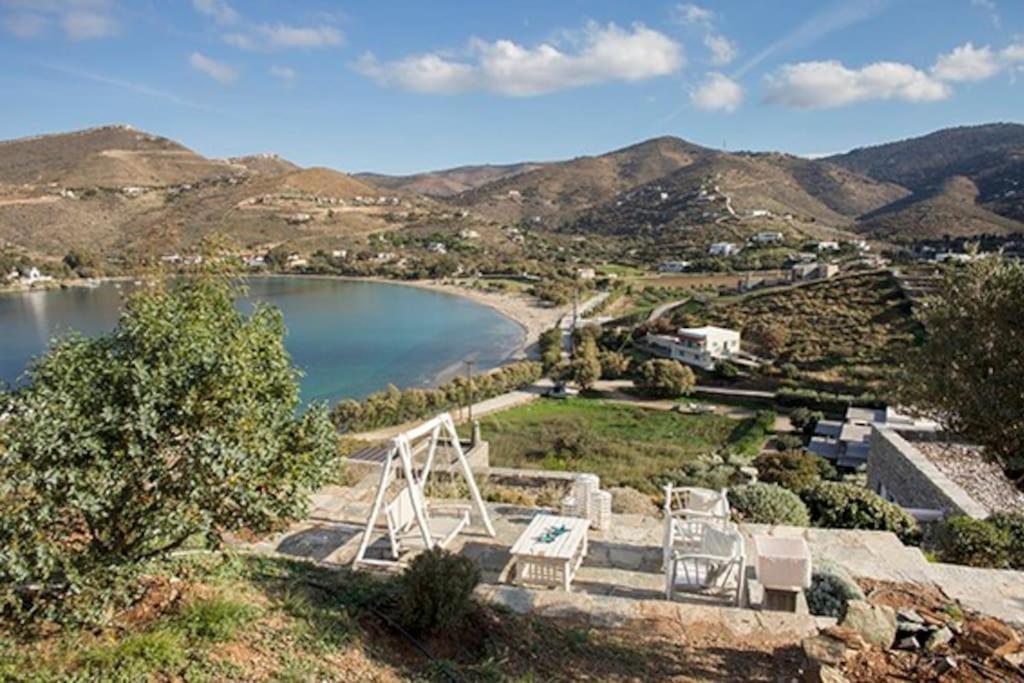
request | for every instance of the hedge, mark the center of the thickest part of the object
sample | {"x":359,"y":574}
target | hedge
{"x":393,"y":406}
{"x":851,"y":506}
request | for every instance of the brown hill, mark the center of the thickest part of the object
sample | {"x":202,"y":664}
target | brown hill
{"x":922,"y":163}
{"x":319,"y":181}
{"x":448,"y":182}
{"x":558,"y":191}
{"x":110,"y":156}
{"x":265,"y":164}
{"x":951,"y":210}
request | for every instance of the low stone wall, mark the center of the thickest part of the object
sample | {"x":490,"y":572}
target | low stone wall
{"x":900,"y":471}
{"x":603,"y":611}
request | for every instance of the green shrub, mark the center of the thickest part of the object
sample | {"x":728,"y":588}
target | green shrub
{"x":793,"y":470}
{"x":974,"y":542}
{"x":437,"y":590}
{"x":788,"y":442}
{"x":768,"y":504}
{"x":1013,"y":525}
{"x":831,"y":589}
{"x":850,"y":506}
{"x":136,"y":656}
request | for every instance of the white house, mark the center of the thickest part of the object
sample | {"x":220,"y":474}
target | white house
{"x":722,"y":249}
{"x":35,"y":276}
{"x":586,"y":273}
{"x":673,"y":266}
{"x":827,"y":246}
{"x":767,"y":238}
{"x":437,"y":248}
{"x":697,"y":346}
{"x":813,"y":271}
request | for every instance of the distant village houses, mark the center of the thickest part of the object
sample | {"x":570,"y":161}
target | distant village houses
{"x":722,"y":249}
{"x":813,"y":271}
{"x":767,"y":238}
{"x":673,"y":266}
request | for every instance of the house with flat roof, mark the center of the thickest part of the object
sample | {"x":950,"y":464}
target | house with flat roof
{"x":701,"y":347}
{"x":722,"y":249}
{"x":846,"y":442}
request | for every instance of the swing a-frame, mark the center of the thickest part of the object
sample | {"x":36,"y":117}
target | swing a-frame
{"x":412,"y":524}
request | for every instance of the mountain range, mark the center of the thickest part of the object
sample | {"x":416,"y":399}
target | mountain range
{"x":120,"y":191}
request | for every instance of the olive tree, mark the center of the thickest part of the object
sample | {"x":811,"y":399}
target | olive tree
{"x":179,"y":424}
{"x":969,"y":370}
{"x":665,"y":378}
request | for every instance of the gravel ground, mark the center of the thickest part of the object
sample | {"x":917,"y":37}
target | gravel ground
{"x":980,"y":477}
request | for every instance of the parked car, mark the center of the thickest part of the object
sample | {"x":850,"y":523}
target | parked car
{"x":692,"y":408}
{"x":561,"y":391}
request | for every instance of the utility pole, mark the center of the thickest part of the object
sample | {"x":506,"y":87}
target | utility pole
{"x":469,"y":388}
{"x":575,"y":317}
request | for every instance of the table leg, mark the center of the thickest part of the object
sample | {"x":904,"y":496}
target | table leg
{"x":567,"y":576}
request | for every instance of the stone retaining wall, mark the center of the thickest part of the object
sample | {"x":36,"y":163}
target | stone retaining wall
{"x":901,"y":472}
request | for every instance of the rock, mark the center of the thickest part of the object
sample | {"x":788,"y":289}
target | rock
{"x":876,"y":623}
{"x":822,"y":649}
{"x":947,"y":664}
{"x":850,"y":638}
{"x":1014,"y":659}
{"x":912,"y":627}
{"x":823,"y":673}
{"x":908,"y":643}
{"x":938,"y":639}
{"x":989,"y":637}
{"x":905,"y":614}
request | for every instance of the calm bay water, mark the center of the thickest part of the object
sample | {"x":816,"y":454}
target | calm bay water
{"x":350,"y":338}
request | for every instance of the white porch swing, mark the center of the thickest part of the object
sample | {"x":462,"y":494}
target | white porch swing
{"x":411,"y":523}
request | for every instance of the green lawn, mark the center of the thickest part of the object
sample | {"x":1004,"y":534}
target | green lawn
{"x":624,"y":445}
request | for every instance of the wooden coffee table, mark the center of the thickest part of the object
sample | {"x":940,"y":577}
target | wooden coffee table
{"x":552,"y":563}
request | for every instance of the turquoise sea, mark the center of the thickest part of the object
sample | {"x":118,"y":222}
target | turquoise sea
{"x":350,"y":338}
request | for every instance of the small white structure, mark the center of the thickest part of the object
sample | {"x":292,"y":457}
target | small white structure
{"x":722,"y":249}
{"x":339,"y":253}
{"x":766,"y":237}
{"x":813,"y":271}
{"x":827,"y":246}
{"x":673,"y":266}
{"x":409,"y":521}
{"x":467,"y":233}
{"x":697,"y":346}
{"x":437,"y":248}
{"x":586,"y":273}
{"x":35,"y":276}
{"x":783,"y":569}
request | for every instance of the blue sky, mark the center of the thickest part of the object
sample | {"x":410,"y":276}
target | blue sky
{"x":414,"y":85}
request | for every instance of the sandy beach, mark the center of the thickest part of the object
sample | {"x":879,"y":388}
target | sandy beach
{"x":532,"y":315}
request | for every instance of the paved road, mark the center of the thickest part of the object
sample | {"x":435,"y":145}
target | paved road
{"x":665,"y":308}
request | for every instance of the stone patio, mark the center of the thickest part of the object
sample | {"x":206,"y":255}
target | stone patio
{"x":625,"y":562}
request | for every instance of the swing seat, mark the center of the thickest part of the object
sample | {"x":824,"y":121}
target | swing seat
{"x":445,"y":522}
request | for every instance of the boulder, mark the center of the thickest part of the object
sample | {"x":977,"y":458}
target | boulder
{"x":822,"y":649}
{"x":875,"y":623}
{"x":989,"y":637}
{"x":823,"y":673}
{"x":908,"y":643}
{"x":938,"y":639}
{"x":905,"y":614}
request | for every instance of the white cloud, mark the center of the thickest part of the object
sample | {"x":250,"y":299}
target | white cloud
{"x":603,"y":53}
{"x":218,"y":71}
{"x":817,"y":85}
{"x":285,"y":73}
{"x":723,"y":50}
{"x":282,"y":36}
{"x":717,"y":93}
{"x":990,"y":8}
{"x":1013,"y":53}
{"x":966,"y":63}
{"x":219,"y":10}
{"x":80,"y":19}
{"x":82,"y":25}
{"x":688,"y":13}
{"x":25,"y":25}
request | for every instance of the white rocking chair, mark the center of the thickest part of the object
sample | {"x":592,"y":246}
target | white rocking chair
{"x":705,"y":558}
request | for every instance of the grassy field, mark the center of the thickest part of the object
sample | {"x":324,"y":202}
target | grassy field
{"x":222,"y":618}
{"x":847,"y":330}
{"x":625,"y":445}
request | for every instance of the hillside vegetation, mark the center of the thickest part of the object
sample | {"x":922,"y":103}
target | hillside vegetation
{"x":849,"y":329}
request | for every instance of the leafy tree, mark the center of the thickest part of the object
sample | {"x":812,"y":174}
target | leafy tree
{"x":587,"y":366}
{"x":793,"y":470}
{"x":550,"y":343}
{"x":761,"y":503}
{"x":180,"y":423}
{"x":969,"y":371}
{"x":665,"y":378}
{"x":838,"y":505}
{"x":614,"y":365}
